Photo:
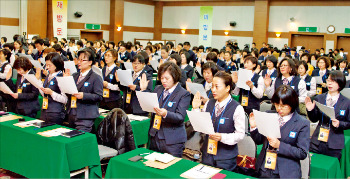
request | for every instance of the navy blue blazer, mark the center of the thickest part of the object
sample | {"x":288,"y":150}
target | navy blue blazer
{"x":173,"y":124}
{"x":342,"y":113}
{"x":294,"y":146}
{"x":92,"y":87}
{"x":221,"y":64}
{"x":189,"y":71}
{"x":36,"y":56}
{"x":316,"y":72}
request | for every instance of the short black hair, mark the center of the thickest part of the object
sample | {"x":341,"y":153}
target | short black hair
{"x":89,"y":53}
{"x":338,"y":77}
{"x":182,"y":45}
{"x":212,"y":66}
{"x":308,"y":57}
{"x":272,"y":59}
{"x":145,"y":56}
{"x":57,"y":47}
{"x":165,"y":48}
{"x":226,"y":78}
{"x":46,"y":43}
{"x":172,"y":68}
{"x":8,"y":45}
{"x":91,"y":43}
{"x":215,"y":50}
{"x":303,"y":63}
{"x":80,"y":43}
{"x":177,"y":58}
{"x":39,"y":41}
{"x":187,"y":55}
{"x":4,"y":38}
{"x":139,"y":58}
{"x":6,"y":53}
{"x":56,"y":59}
{"x":252,"y":59}
{"x":201,"y":47}
{"x":212,"y":56}
{"x":111,"y":42}
{"x":128,"y":45}
{"x":187,"y":43}
{"x":287,"y":96}
{"x":15,"y":37}
{"x":264,"y":50}
{"x":170,"y":43}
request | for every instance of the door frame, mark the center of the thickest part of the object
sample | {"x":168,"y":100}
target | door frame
{"x":291,"y":33}
{"x":91,"y":31}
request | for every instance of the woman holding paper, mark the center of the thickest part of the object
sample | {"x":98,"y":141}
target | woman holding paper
{"x":167,"y":130}
{"x":5,"y":76}
{"x":328,"y":138}
{"x":250,"y":99}
{"x":111,"y":92}
{"x":26,"y":94}
{"x":220,"y":149}
{"x":280,"y":157}
{"x":82,"y":108}
{"x":53,"y":109}
{"x":309,"y":80}
{"x":323,"y":64}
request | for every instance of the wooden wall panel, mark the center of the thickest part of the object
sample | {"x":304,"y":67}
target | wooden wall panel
{"x":158,"y":20}
{"x":49,"y":20}
{"x":116,"y":19}
{"x":9,"y":21}
{"x":261,"y":22}
{"x":37,"y":19}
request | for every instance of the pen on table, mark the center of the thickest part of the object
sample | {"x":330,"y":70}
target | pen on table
{"x":144,"y":154}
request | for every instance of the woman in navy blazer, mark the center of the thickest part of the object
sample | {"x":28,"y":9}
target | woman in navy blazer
{"x":167,"y":130}
{"x":323,"y":64}
{"x":82,"y":108}
{"x":292,"y":147}
{"x":335,"y":127}
{"x":26,"y":94}
{"x":185,"y":60}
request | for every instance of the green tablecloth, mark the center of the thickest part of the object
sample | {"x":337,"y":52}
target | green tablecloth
{"x":347,"y":132}
{"x":345,"y":159}
{"x":139,"y":128}
{"x":27,"y":153}
{"x":323,"y":166}
{"x":121,"y":167}
{"x":38,"y":114}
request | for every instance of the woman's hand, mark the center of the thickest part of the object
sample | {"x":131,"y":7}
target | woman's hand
{"x":161,"y":112}
{"x":234,"y":77}
{"x":274,"y":142}
{"x":196,"y":101}
{"x":267,"y":80}
{"x":252,"y":120}
{"x":46,"y":90}
{"x":335,"y":123}
{"x":14,"y":95}
{"x":143,"y":82}
{"x":216,"y":136}
{"x":66,"y":72}
{"x":309,"y":104}
{"x":132,"y":87}
{"x":250,"y":84}
{"x":116,"y":76}
{"x":105,"y":84}
{"x":79,"y":95}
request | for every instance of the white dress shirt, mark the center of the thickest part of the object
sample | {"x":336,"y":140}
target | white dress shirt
{"x":312,"y":91}
{"x":113,"y":87}
{"x":334,"y":98}
{"x":61,"y":98}
{"x":6,"y":70}
{"x":208,"y":86}
{"x":239,"y":120}
{"x":270,"y":90}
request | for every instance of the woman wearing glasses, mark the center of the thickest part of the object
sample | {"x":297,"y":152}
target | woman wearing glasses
{"x":287,"y":75}
{"x":82,"y":107}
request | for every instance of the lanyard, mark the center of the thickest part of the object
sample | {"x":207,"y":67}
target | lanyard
{"x":52,"y":78}
{"x":160,"y":97}
{"x":325,"y":103}
{"x":217,"y":129}
{"x":253,"y":82}
{"x":109,"y":76}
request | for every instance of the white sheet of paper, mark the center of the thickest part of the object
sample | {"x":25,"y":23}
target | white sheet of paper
{"x":154,"y":64}
{"x":125,"y":77}
{"x":128,"y":66}
{"x":148,"y":101}
{"x":56,"y":132}
{"x":36,"y":64}
{"x":97,"y":71}
{"x":347,"y":78}
{"x":201,"y":122}
{"x":346,"y":92}
{"x":33,"y":80}
{"x":318,"y":79}
{"x":194,"y":87}
{"x":313,"y":63}
{"x":267,"y":124}
{"x":329,"y":111}
{"x":4,"y":88}
{"x":71,"y":66}
{"x":244,"y":76}
{"x":200,"y":171}
{"x":67,"y":84}
{"x":28,"y":56}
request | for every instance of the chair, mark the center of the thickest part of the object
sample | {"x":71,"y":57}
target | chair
{"x":106,"y":152}
{"x":246,"y":123}
{"x":247,"y":146}
{"x":265,"y":106}
{"x":305,"y":167}
{"x":85,"y":170}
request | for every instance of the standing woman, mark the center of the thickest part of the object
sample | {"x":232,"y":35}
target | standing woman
{"x":111,"y":92}
{"x":271,"y":64}
{"x":309,"y":80}
{"x":230,"y":65}
{"x":167,"y":130}
{"x":82,"y":108}
{"x":185,"y":60}
{"x":280,"y":158}
{"x":287,"y":75}
{"x":53,"y":109}
{"x":328,"y":138}
{"x":26,"y":94}
{"x":5,"y":76}
{"x":343,"y":67}
{"x":220,"y":149}
{"x":323,"y":64}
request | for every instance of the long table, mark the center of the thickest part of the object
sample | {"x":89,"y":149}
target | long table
{"x":121,"y":167}
{"x":27,"y":153}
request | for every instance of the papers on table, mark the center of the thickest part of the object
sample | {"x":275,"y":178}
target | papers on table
{"x":194,"y":87}
{"x":54,"y":132}
{"x":201,"y":171}
{"x":128,"y":66}
{"x":318,"y":79}
{"x":125,"y":77}
{"x":136,"y":117}
{"x":97,"y":71}
{"x":313,"y":63}
{"x":346,"y":92}
{"x":28,"y":123}
{"x":33,"y":80}
{"x":154,"y":64}
{"x":71,"y":66}
{"x":244,"y":76}
{"x":329,"y":111}
{"x":267,"y":124}
{"x":148,"y":101}
{"x":9,"y":118}
{"x":165,"y":158}
{"x":67,"y":84}
{"x":4,"y":88}
{"x":36,"y":64}
{"x":201,"y":122}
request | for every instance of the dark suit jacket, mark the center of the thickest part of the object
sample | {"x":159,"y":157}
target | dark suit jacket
{"x":36,"y":56}
{"x":173,"y":123}
{"x":92,"y":87}
{"x":291,"y":150}
{"x":27,"y":101}
{"x":316,"y":72}
{"x":193,"y":57}
{"x":342,"y":113}
{"x":189,"y":71}
{"x":221,"y":64}
{"x":64,"y":57}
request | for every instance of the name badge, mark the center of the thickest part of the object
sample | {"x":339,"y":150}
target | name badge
{"x":86,"y":84}
{"x":24,"y":85}
{"x":139,"y":78}
{"x":342,"y":112}
{"x":222,"y":121}
{"x":212,"y":147}
{"x":45,"y":103}
{"x":52,"y":83}
{"x":273,"y":78}
{"x":170,"y":104}
{"x":271,"y":159}
{"x":308,"y":84}
{"x":323,"y":134}
{"x":292,"y":134}
{"x":111,"y":76}
{"x":292,"y":87}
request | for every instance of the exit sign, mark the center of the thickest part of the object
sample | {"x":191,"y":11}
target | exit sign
{"x":307,"y":29}
{"x":347,"y":30}
{"x":93,"y":26}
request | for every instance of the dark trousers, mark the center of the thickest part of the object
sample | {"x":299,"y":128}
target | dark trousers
{"x":159,"y":145}
{"x":80,"y":124}
{"x":21,"y":112}
{"x":54,"y":117}
{"x":111,"y":105}
{"x":268,"y":174}
{"x":227,"y":164}
{"x":323,"y":148}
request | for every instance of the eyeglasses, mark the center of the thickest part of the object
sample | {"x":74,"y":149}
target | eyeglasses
{"x":81,"y":60}
{"x":330,"y":81}
{"x":281,"y":106}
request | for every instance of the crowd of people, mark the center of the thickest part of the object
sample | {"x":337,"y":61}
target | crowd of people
{"x":283,"y":77}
